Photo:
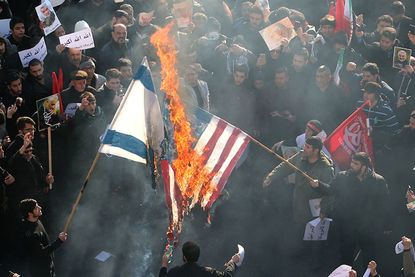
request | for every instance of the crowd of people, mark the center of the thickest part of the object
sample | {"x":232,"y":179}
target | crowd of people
{"x":290,"y":96}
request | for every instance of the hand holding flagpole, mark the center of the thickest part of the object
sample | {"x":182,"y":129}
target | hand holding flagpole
{"x":50,"y":153}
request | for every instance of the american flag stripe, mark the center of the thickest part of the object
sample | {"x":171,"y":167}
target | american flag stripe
{"x":214,"y":148}
{"x":222,"y":145}
{"x":172,"y":192}
{"x":207,"y":135}
{"x":235,"y":151}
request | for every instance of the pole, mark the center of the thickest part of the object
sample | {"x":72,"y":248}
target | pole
{"x":283,"y":159}
{"x":80,"y":194}
{"x":50,"y":152}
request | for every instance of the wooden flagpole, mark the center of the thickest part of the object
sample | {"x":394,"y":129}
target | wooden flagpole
{"x":50,"y":152}
{"x":282,"y":159}
{"x":81,"y":193}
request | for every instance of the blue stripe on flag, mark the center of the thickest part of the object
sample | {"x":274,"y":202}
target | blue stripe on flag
{"x":200,"y":120}
{"x":144,"y":75}
{"x":126,"y":142}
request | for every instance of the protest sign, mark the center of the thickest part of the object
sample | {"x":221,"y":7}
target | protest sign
{"x":274,"y":34}
{"x":48,"y":17}
{"x":341,"y":271}
{"x":401,"y":57}
{"x":49,"y":112}
{"x":4,"y":27}
{"x":315,"y":206}
{"x":82,"y":39}
{"x":39,"y":51}
{"x":182,"y":12}
{"x":317,"y":229}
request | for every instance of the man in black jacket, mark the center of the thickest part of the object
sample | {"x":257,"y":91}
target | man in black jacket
{"x":190,"y":268}
{"x":36,"y":247}
{"x":359,"y":207}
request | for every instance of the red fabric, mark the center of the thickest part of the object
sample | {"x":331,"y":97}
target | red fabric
{"x":350,"y":136}
{"x":342,"y":22}
{"x":332,"y":9}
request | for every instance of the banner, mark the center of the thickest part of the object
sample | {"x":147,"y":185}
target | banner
{"x":82,"y":39}
{"x":39,"y":51}
{"x":350,"y":136}
{"x":275,"y":33}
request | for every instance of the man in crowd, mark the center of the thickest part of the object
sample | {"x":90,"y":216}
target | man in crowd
{"x":191,"y":252}
{"x":13,"y":102}
{"x":37,"y":85}
{"x":94,"y":80}
{"x":325,"y":94}
{"x":370,"y":73}
{"x":18,"y":36}
{"x":125,"y":66}
{"x":36,"y":247}
{"x":355,"y":193}
{"x":70,"y":96}
{"x":116,"y":48}
{"x":109,"y":96}
{"x":317,"y":165}
{"x":195,"y":90}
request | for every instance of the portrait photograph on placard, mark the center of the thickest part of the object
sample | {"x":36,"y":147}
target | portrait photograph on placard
{"x":401,"y":57}
{"x":49,"y":112}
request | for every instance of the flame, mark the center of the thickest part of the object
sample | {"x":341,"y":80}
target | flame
{"x":191,"y":175}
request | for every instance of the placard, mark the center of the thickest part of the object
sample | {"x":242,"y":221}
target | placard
{"x":39,"y":51}
{"x":82,"y":39}
{"x":275,"y":33}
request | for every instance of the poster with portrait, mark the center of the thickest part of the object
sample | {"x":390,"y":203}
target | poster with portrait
{"x":401,"y":57}
{"x":48,"y":17}
{"x":274,"y":34}
{"x":183,"y":12}
{"x":49,"y":112}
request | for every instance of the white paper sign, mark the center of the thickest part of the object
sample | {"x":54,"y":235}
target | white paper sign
{"x":399,"y":249}
{"x":367,"y":273}
{"x":317,"y":229}
{"x":241,"y":252}
{"x":315,"y":206}
{"x":71,"y":109}
{"x":38,"y":52}
{"x":275,"y":33}
{"x":48,"y":17}
{"x":103,"y":256}
{"x":5,"y":27}
{"x":341,"y":271}
{"x":82,"y":39}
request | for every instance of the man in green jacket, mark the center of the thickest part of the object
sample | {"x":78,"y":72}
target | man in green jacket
{"x":312,"y":161}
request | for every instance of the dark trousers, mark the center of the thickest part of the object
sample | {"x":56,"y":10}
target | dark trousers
{"x":353,"y":241}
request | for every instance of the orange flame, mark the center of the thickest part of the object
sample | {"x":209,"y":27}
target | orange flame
{"x":191,"y":175}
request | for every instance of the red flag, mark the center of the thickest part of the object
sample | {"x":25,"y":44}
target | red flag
{"x":350,"y":136}
{"x":343,"y":12}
